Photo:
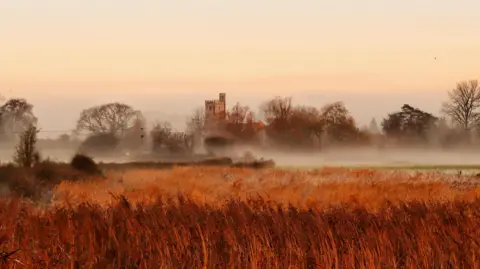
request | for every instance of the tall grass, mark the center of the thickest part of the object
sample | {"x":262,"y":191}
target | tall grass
{"x":250,"y":234}
{"x":320,"y":188}
{"x":237,"y":218}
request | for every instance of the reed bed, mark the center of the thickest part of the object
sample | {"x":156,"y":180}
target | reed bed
{"x":239,"y":218}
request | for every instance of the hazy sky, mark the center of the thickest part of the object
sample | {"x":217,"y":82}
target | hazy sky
{"x":156,"y":54}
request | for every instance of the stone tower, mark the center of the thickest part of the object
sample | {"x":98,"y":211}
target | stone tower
{"x":216,"y":109}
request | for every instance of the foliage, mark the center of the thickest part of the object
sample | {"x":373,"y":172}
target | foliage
{"x":85,"y":164}
{"x":339,"y":125}
{"x":409,"y":123}
{"x":26,"y":154}
{"x":112,"y":118}
{"x":241,"y":123}
{"x":277,"y":112}
{"x":309,"y":127}
{"x":164,"y":139}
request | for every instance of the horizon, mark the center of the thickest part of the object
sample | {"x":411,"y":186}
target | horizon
{"x":166,"y":107}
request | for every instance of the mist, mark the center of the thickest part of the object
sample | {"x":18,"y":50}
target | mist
{"x":368,"y":156}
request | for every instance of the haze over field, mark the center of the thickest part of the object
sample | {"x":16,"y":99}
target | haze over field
{"x":166,"y":57}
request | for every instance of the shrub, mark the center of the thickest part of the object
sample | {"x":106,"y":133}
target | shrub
{"x":85,"y":164}
{"x":18,"y":181}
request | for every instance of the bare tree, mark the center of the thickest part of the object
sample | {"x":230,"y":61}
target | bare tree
{"x":26,"y":154}
{"x":373,"y":127}
{"x":195,"y":126}
{"x":113,"y":118}
{"x":238,"y":114}
{"x":277,"y":112}
{"x":464,"y":100}
{"x":196,"y":122}
{"x":164,"y":138}
{"x":160,"y":134}
{"x":241,"y":122}
{"x":16,"y":116}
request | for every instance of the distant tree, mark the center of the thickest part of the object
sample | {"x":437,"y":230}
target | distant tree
{"x":463,"y":103}
{"x":277,"y":112}
{"x":339,"y":125}
{"x":164,"y":139}
{"x":26,"y":153}
{"x":373,"y":127}
{"x":196,"y":122}
{"x":195,"y":127}
{"x":306,"y":125}
{"x":160,"y":134}
{"x":16,"y":116}
{"x":409,"y":123}
{"x":240,"y":122}
{"x":238,"y":114}
{"x":178,"y":142}
{"x":113,"y":118}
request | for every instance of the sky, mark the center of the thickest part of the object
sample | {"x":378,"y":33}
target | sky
{"x":164,"y":57}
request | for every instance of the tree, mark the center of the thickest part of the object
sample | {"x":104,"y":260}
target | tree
{"x":164,"y":138}
{"x":240,"y":122}
{"x":113,"y":118}
{"x":277,"y":112}
{"x":195,"y":126}
{"x":16,"y":116}
{"x":373,"y":127}
{"x":464,"y":100}
{"x":196,"y":122}
{"x":409,"y":123}
{"x":26,"y":153}
{"x":339,"y":126}
{"x":306,"y":125}
{"x":160,"y":134}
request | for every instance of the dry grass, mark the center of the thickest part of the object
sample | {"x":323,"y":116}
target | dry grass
{"x":317,"y":188}
{"x":239,"y":218}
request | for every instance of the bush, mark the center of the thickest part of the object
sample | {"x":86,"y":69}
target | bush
{"x":85,"y":164}
{"x":18,"y":181}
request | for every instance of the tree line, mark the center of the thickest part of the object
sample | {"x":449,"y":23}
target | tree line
{"x":283,"y":125}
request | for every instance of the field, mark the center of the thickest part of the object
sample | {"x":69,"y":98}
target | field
{"x":221,"y":217}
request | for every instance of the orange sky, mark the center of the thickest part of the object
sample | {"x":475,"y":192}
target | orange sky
{"x":368,"y":47}
{"x":90,"y":49}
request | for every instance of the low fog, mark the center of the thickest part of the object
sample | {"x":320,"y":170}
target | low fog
{"x":373,"y":157}
{"x":330,"y":157}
